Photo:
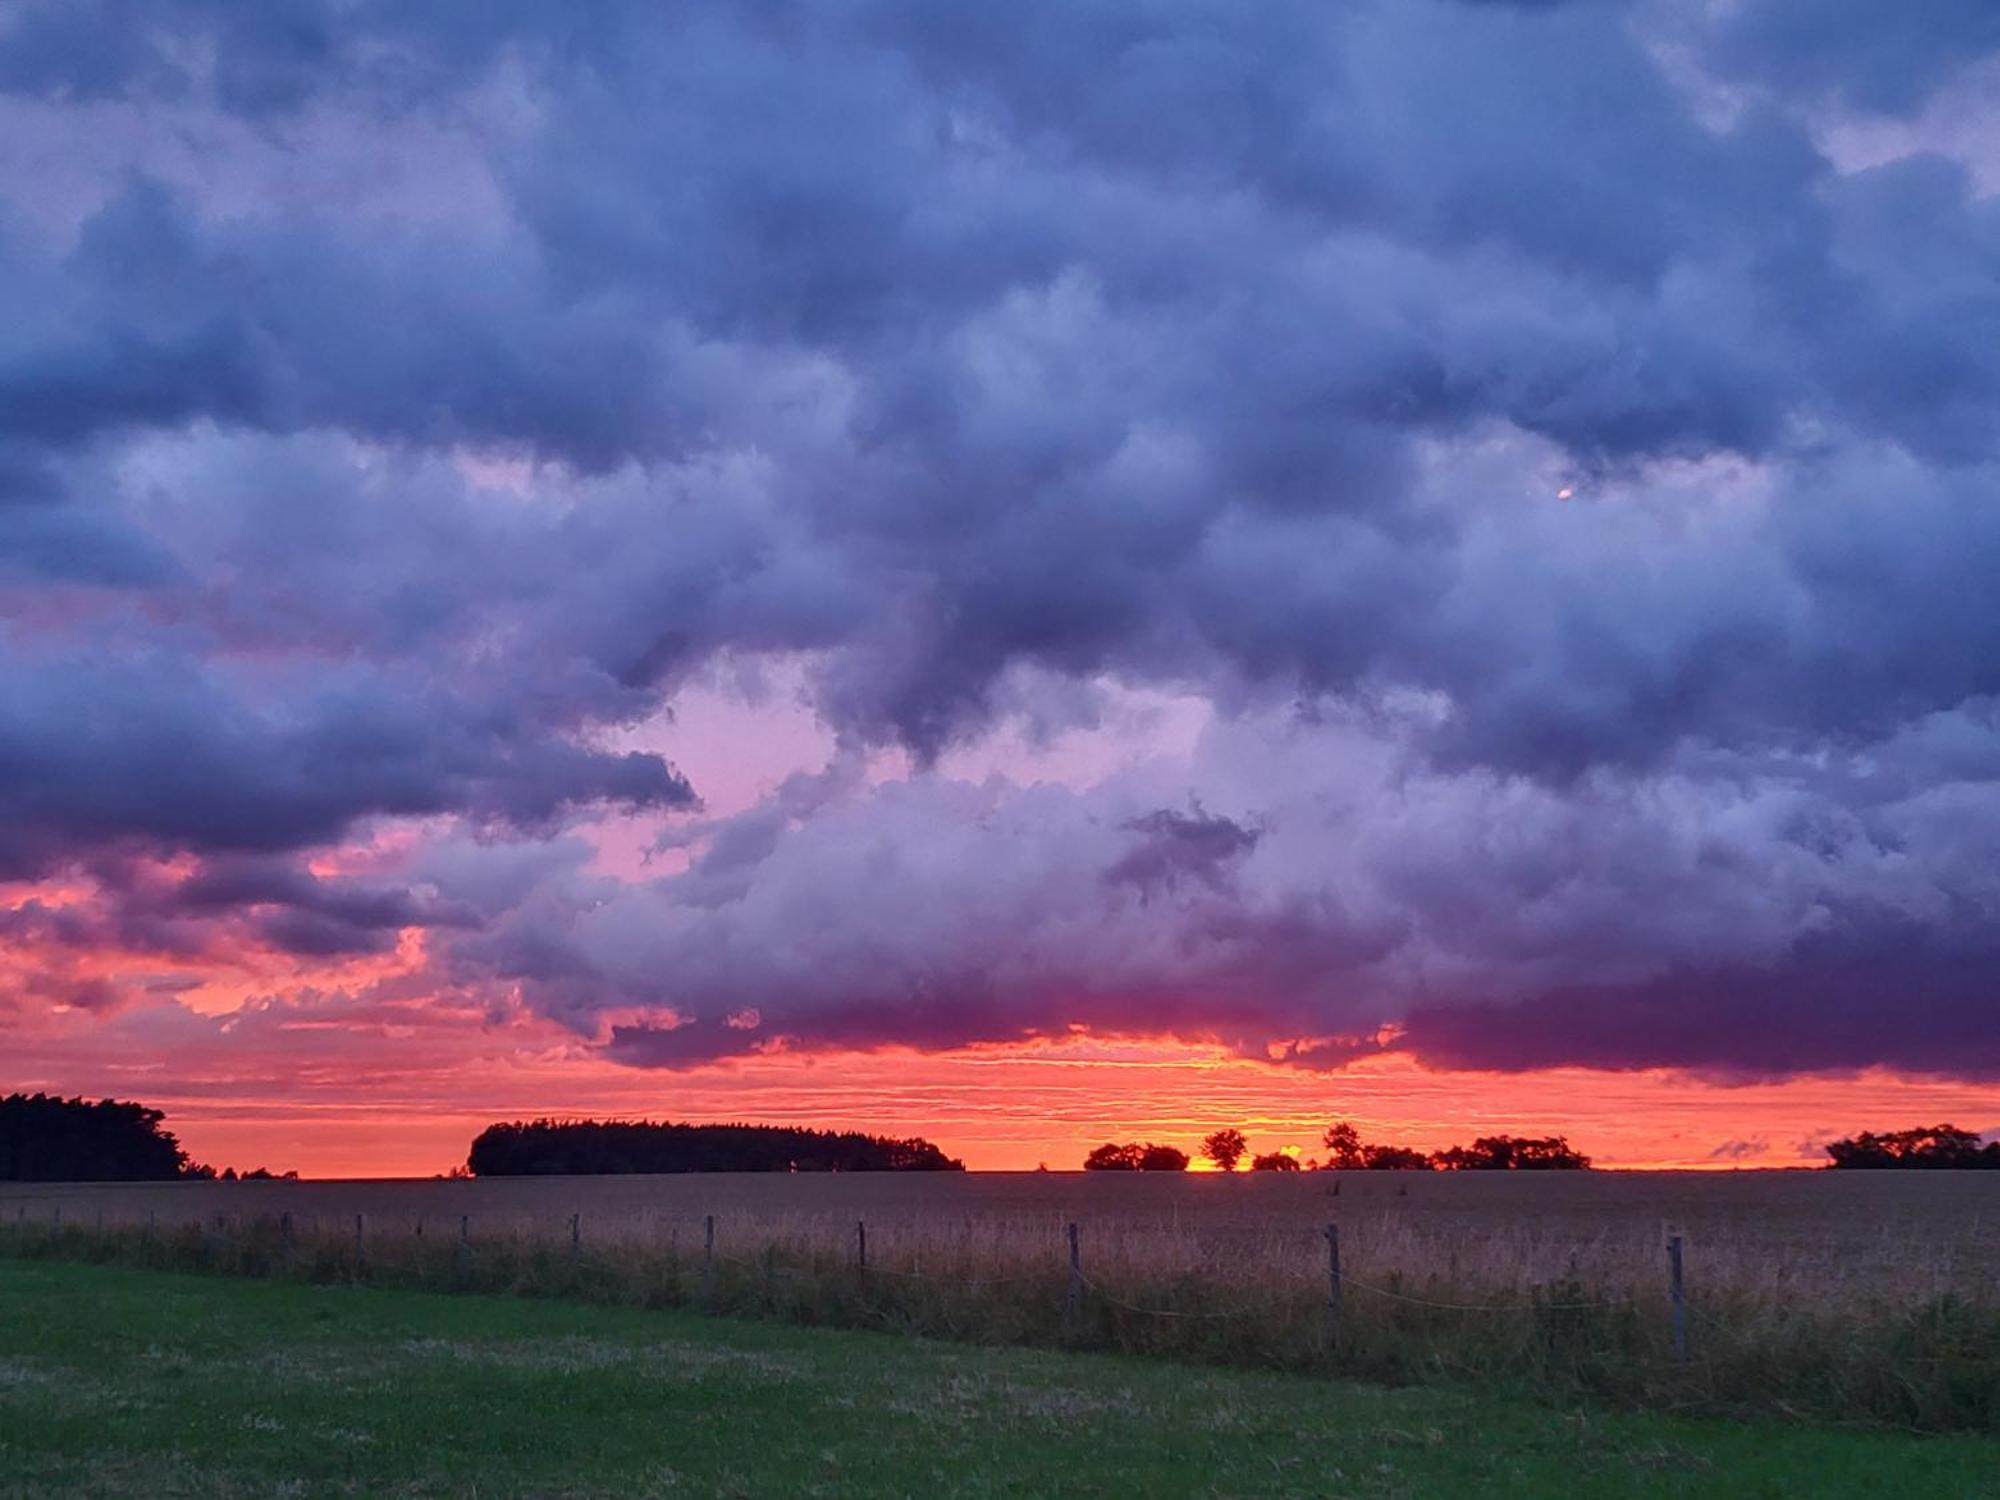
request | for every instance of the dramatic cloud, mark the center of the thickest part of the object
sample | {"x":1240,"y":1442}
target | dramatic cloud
{"x":1565,"y":486}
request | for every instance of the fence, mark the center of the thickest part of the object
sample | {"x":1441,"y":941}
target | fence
{"x":1293,"y":1306}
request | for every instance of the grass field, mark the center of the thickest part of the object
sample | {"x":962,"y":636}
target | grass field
{"x":126,"y":1383}
{"x":1827,"y":1296}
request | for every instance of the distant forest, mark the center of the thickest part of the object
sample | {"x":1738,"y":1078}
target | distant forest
{"x":1924,"y":1149}
{"x":585,"y":1147}
{"x":46,"y":1138}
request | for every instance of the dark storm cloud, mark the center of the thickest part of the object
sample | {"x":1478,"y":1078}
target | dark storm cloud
{"x":1877,"y":57}
{"x":1746,"y":920}
{"x":122,"y":744}
{"x":1176,"y":846}
{"x":1820,"y":1007}
{"x":398,"y":403}
{"x":229,"y":907}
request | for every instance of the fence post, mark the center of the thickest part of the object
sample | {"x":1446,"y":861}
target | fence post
{"x":1073,"y":1303}
{"x":420,"y":1226}
{"x":360,"y":1250}
{"x":462,"y":1252}
{"x":285,"y":1239}
{"x":708,"y":1260}
{"x":861,"y":1246}
{"x":575,"y":1236}
{"x":1333,"y":1286}
{"x":1678,"y":1292}
{"x":152,"y":1222}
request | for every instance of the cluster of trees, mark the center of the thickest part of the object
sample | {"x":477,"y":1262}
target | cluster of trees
{"x":1347,"y":1152}
{"x":1924,"y":1148}
{"x":1512,"y":1153}
{"x":1225,"y":1148}
{"x":1135,"y":1156}
{"x":230,"y":1174}
{"x":47,"y":1138}
{"x":584,"y":1147}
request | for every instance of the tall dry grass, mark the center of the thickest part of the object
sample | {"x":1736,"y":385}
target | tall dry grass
{"x":1906,"y":1335}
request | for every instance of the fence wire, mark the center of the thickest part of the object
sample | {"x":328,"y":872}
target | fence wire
{"x":763,"y":1266}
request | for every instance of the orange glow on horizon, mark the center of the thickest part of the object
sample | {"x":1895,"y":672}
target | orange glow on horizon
{"x":402,"y":1091}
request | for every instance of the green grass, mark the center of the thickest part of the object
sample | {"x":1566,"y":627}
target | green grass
{"x":118,"y":1382}
{"x":1930,"y":1364}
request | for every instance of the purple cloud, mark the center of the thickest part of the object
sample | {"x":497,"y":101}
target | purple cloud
{"x":1567,"y":488}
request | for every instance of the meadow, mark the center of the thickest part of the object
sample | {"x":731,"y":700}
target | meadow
{"x":118,"y":1383}
{"x":1871,"y":1297}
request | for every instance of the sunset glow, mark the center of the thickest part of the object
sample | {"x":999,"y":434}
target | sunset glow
{"x":402,"y":1091}
{"x":1430,"y":565}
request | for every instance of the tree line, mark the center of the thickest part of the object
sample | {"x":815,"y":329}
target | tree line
{"x":535,"y":1148}
{"x":1347,"y":1152}
{"x":1926,"y":1148}
{"x":47,"y":1138}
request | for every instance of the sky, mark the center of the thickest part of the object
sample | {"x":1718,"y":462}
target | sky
{"x":1028,"y":574}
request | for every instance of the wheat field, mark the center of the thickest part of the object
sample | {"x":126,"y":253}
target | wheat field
{"x":1854,"y":1295}
{"x":1881,"y":1234}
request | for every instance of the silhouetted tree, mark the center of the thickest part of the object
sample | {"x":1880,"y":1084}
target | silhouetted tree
{"x":1924,"y":1148}
{"x":1274,"y":1161}
{"x":44,"y":1138}
{"x":548,"y":1147}
{"x":1225,"y":1148}
{"x":1343,"y":1146}
{"x":1135,"y":1156}
{"x":1512,"y":1153}
{"x":1111,"y":1157}
{"x":1346,"y":1151}
{"x":1395,"y":1159}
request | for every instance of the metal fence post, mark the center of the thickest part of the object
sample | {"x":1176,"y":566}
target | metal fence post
{"x":1333,"y":1286}
{"x":708,"y":1259}
{"x":1073,"y":1303}
{"x":861,"y":1245}
{"x":360,"y":1250}
{"x":1678,"y":1292}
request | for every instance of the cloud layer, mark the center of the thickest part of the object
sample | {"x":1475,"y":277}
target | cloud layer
{"x":1563,"y":482}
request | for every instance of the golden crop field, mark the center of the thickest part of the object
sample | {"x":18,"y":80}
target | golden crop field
{"x":1886,"y":1234}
